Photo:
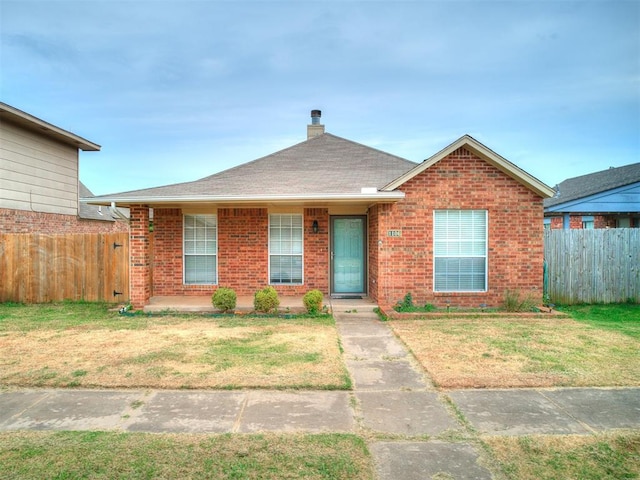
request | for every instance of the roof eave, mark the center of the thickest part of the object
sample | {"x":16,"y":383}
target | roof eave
{"x":379,"y":197}
{"x":24,"y":118}
{"x":486,"y":154}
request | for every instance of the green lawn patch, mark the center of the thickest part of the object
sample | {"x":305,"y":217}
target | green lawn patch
{"x":108,"y":455}
{"x":623,"y":318}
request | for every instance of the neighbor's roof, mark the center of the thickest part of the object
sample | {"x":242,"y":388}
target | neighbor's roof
{"x":593,"y":183}
{"x":92,"y":212}
{"x":324,"y":167}
{"x":484,"y":153}
{"x":12,"y":114}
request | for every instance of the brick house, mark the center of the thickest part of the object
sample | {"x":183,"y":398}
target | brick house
{"x":328,"y":213}
{"x":605,"y":199}
{"x":39,"y":184}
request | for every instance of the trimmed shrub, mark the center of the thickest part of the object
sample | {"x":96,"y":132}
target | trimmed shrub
{"x":224,"y":299}
{"x":266,"y":300}
{"x":313,"y":301}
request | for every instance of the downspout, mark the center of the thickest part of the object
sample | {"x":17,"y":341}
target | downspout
{"x":118,"y":213}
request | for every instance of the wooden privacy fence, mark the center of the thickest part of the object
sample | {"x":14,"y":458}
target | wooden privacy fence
{"x":36,"y":268}
{"x":592,"y":266}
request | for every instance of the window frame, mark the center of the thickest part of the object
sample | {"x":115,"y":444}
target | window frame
{"x":588,"y":222}
{"x":271,"y":254}
{"x":184,"y":248}
{"x":484,"y":255}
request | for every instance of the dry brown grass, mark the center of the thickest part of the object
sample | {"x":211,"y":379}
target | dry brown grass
{"x":188,"y":354}
{"x":610,"y":456}
{"x":503,"y":352}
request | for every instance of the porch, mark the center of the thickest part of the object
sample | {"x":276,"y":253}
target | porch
{"x":294,"y":304}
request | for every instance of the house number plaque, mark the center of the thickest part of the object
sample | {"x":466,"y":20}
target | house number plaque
{"x":394,"y":233}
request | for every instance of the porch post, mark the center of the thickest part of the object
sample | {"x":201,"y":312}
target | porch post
{"x":139,"y":258}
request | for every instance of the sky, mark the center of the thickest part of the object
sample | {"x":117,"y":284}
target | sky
{"x":175,"y":91}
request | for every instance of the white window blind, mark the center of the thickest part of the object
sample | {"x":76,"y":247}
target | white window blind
{"x":460,"y":250}
{"x":200,"y":247}
{"x":285,"y":249}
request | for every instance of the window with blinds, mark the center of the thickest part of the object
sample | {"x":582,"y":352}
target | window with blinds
{"x":200,"y":247}
{"x":460,"y":250}
{"x":285,"y":249}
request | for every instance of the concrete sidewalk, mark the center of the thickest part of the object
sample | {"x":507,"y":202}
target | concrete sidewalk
{"x":392,"y":397}
{"x":405,"y":412}
{"x":176,"y":411}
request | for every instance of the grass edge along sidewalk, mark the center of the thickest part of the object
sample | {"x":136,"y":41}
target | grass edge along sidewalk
{"x":108,"y":455}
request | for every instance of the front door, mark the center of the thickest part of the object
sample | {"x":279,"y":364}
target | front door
{"x":348,"y":247}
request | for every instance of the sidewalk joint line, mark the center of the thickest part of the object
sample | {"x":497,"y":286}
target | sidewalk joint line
{"x":586,"y":426}
{"x":20,"y":413}
{"x":236,"y":424}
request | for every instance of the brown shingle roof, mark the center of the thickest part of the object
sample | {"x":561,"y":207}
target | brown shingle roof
{"x":322,"y":165}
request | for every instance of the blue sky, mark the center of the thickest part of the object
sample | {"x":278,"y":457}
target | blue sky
{"x":175,"y":91}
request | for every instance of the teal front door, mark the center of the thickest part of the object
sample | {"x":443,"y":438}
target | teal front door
{"x":348,"y":247}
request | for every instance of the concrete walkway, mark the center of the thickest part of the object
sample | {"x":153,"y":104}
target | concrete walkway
{"x":392,"y":399}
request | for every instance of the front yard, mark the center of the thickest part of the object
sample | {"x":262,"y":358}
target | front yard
{"x":85,"y":345}
{"x":599,"y":346}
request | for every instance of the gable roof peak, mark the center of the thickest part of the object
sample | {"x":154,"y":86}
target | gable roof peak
{"x":486,"y":154}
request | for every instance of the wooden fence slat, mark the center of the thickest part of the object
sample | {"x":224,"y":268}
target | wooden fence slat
{"x":593,"y":266}
{"x":37,"y":268}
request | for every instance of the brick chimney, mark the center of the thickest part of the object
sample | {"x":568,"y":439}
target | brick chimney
{"x":316,"y":128}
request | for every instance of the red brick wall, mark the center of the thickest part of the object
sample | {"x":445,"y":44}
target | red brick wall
{"x":243,"y":236}
{"x":140,"y":257}
{"x":575,"y":221}
{"x":243,"y":239}
{"x":167,"y":251}
{"x":556,"y":222}
{"x":24,"y":221}
{"x":316,"y":252}
{"x":459,"y":181}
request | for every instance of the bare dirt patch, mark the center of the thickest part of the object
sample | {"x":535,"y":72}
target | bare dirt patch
{"x":486,"y":352}
{"x":188,"y":354}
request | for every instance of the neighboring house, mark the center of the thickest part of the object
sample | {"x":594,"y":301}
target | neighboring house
{"x":606,"y":199}
{"x":39,"y":185}
{"x":103,"y":214}
{"x":462,"y":227}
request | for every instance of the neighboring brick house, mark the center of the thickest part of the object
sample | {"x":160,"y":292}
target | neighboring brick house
{"x":462,"y":227}
{"x":39,"y":185}
{"x":606,"y":199}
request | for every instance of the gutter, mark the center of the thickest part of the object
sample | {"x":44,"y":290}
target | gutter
{"x":329,"y":198}
{"x":114,"y":210}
